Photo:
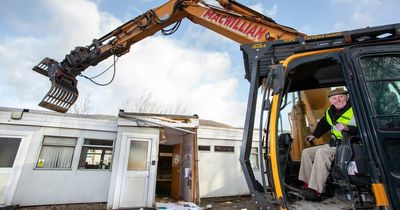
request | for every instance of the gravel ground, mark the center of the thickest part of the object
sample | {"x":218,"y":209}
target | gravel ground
{"x":222,"y":203}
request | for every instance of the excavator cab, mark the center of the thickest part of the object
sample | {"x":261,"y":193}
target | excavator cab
{"x":364,"y":172}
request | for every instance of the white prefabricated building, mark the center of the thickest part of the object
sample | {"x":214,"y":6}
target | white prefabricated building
{"x":128,"y":160}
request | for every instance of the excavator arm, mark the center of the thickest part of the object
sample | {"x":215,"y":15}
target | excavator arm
{"x":232,"y":20}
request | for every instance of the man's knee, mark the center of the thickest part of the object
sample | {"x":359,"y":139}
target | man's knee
{"x":325,"y":154}
{"x":307,"y":152}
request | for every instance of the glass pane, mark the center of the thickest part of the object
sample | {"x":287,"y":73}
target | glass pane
{"x":254,"y":161}
{"x":392,"y":150}
{"x":224,"y":149}
{"x":254,"y":158}
{"x":138,"y":156}
{"x":95,"y":158}
{"x":98,"y":142}
{"x":385,"y":97}
{"x":8,"y":151}
{"x":55,"y":157}
{"x":204,"y":148}
{"x":385,"y":67}
{"x":65,"y":141}
{"x":382,"y":74}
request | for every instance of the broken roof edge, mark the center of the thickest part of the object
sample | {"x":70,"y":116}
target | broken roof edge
{"x":157,"y":117}
{"x":158,"y":114}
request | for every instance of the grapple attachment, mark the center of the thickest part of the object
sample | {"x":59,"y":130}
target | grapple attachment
{"x":63,"y":92}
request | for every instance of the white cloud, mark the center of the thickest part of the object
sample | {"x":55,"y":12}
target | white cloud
{"x":172,"y":73}
{"x":307,"y":29}
{"x":73,"y":24}
{"x":165,"y":67}
{"x":270,"y":12}
{"x":362,"y":14}
{"x":216,"y":100}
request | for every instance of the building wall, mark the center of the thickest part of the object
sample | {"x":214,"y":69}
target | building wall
{"x":220,"y":173}
{"x":38,"y":186}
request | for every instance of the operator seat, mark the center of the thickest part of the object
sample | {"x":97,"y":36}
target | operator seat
{"x":350,"y":162}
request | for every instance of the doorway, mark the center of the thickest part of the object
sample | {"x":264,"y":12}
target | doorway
{"x":168,"y":172}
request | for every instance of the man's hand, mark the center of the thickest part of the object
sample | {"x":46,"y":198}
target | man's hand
{"x":309,"y":138}
{"x":342,"y":127}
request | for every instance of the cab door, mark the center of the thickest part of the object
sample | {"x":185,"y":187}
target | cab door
{"x":375,"y":81}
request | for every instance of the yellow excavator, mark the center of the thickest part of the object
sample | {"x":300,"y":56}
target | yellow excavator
{"x":282,"y":61}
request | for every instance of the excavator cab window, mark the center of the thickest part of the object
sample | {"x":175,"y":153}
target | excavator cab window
{"x":314,"y":72}
{"x":381,"y":76}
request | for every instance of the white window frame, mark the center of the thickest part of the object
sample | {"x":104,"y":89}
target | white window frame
{"x":97,"y":146}
{"x":26,"y":139}
{"x":55,"y":145}
{"x":256,"y":158}
{"x":209,"y":146}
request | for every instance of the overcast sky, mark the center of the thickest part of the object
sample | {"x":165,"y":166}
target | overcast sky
{"x":196,"y":66}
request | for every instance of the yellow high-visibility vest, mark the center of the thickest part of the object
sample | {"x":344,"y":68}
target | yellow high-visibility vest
{"x":347,"y":118}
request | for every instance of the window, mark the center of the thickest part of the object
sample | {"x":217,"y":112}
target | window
{"x":254,"y":158}
{"x":138,"y":153}
{"x":96,"y":154}
{"x":382,"y":74}
{"x":204,"y":148}
{"x":224,"y":149}
{"x":57,"y":152}
{"x":8,"y":151}
{"x":392,"y":149}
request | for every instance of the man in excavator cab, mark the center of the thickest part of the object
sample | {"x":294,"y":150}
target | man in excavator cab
{"x":316,"y":161}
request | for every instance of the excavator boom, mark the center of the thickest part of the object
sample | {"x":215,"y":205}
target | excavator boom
{"x":232,"y":20}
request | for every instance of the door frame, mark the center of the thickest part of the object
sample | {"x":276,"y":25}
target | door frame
{"x":26,"y":138}
{"x":125,"y":138}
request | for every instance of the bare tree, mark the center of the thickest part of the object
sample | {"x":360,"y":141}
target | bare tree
{"x":147,"y":104}
{"x":84,"y":105}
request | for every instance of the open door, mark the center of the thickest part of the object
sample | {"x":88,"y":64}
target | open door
{"x":176,"y":177}
{"x":168,"y":172}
